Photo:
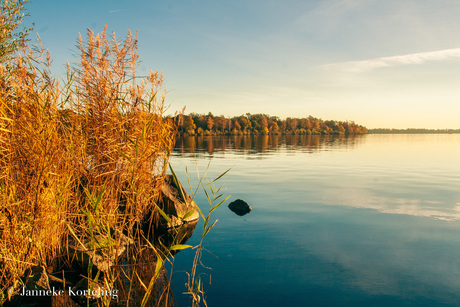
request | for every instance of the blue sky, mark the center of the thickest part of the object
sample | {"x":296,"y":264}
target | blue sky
{"x":391,"y":64}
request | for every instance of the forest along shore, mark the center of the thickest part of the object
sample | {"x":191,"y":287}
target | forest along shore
{"x":200,"y":124}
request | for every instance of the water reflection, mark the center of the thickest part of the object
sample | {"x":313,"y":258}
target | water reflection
{"x":131,"y":289}
{"x":261,"y":144}
{"x":336,"y":221}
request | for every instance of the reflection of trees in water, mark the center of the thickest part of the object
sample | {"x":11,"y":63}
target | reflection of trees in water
{"x":253,"y":144}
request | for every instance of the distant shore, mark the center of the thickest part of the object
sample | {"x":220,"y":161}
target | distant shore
{"x":413,"y":131}
{"x":257,"y":133}
{"x":262,"y":124}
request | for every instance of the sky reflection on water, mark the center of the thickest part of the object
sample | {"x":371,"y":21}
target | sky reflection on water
{"x":349,"y":221}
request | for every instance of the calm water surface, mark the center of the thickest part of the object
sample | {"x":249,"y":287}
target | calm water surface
{"x":371,"y":220}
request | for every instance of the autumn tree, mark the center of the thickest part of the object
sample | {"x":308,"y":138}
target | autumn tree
{"x":237,"y":125}
{"x":209,"y":122}
{"x":189,"y":125}
{"x":273,"y":127}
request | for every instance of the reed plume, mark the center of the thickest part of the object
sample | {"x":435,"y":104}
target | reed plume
{"x":79,"y":160}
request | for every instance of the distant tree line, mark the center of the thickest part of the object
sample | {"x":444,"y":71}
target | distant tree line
{"x":201,"y":124}
{"x":412,"y":131}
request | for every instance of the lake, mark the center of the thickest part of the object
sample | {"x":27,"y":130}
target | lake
{"x":370,"y":220}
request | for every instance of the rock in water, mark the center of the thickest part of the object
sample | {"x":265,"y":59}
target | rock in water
{"x":172,"y":203}
{"x":240,"y":207}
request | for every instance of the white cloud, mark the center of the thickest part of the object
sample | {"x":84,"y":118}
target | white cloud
{"x":407,"y":59}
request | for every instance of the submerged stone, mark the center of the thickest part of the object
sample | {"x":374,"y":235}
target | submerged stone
{"x":240,"y":207}
{"x":179,"y":206}
{"x":102,"y":251}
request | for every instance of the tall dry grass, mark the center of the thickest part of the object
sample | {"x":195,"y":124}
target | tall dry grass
{"x":35,"y":182}
{"x":81,"y":162}
{"x":121,"y":139}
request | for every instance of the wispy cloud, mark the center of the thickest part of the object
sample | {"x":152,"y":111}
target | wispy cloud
{"x":407,"y":59}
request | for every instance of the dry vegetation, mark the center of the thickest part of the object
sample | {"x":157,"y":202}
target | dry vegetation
{"x":81,"y":161}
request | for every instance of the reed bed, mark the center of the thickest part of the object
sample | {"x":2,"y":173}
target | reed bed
{"x":81,"y":160}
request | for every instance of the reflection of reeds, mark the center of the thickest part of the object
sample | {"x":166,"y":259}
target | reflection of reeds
{"x":81,"y":164}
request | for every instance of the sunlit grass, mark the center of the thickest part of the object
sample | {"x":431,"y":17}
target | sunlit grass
{"x":81,"y":162}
